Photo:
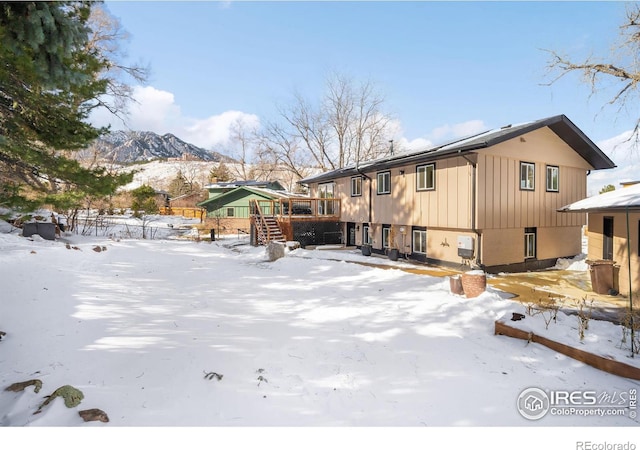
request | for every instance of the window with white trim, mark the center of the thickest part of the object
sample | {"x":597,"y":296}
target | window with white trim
{"x":553,"y":179}
{"x":386,"y":230}
{"x":384,"y":183}
{"x":366,"y":237}
{"x":419,"y":241}
{"x":326,"y":191}
{"x":426,"y":177}
{"x":231,"y":212}
{"x":356,"y":186}
{"x":527,"y":176}
{"x":530,"y":243}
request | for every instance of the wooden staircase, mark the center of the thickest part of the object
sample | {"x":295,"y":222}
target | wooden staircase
{"x":267,"y":227}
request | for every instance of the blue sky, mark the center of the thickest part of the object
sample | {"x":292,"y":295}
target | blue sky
{"x":445,"y":68}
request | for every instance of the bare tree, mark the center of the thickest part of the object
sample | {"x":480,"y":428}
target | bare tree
{"x":107,"y":36}
{"x":278,"y":148}
{"x":347,"y":126}
{"x":241,"y":147}
{"x":621,"y":67}
{"x":191,"y":173}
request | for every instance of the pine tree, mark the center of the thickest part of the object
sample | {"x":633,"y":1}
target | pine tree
{"x":144,"y":200}
{"x":50,"y":79}
{"x":220,"y":173}
{"x":179,"y":186}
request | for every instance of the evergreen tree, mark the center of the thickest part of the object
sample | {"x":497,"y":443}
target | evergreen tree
{"x":144,"y":200}
{"x":50,"y":78}
{"x":220,"y":173}
{"x":179,"y":186}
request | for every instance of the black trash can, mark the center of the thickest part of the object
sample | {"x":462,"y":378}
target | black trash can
{"x":213,"y":235}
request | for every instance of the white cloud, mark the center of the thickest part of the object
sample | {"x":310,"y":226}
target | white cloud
{"x":216,"y":130}
{"x":156,"y":110}
{"x":625,"y":154}
{"x":414,"y":144}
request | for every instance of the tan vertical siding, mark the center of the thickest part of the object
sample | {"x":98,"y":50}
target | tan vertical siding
{"x":596,"y":240}
{"x":504,"y":205}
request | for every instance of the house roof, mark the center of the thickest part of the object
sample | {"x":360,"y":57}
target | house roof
{"x":274,"y":185}
{"x":618,"y":200}
{"x":191,"y":194}
{"x":560,"y":125}
{"x":269,"y":194}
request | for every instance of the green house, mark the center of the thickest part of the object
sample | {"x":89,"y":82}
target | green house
{"x":228,"y":203}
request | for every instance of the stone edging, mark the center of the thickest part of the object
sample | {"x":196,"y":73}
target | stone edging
{"x":599,"y":362}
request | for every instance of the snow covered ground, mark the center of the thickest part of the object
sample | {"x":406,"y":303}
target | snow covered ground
{"x":172,"y":333}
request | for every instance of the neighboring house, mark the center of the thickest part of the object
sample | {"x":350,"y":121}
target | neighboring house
{"x":228,"y":204}
{"x":219,"y":188}
{"x":614,"y":233}
{"x":490,"y":200}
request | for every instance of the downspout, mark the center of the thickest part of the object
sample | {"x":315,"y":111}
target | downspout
{"x":370,"y":192}
{"x":474,"y":199}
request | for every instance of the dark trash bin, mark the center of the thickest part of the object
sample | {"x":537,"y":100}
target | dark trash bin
{"x":45,"y":230}
{"x":604,"y":276}
{"x":213,"y":235}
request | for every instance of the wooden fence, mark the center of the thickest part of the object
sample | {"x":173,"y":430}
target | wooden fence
{"x":189,"y":213}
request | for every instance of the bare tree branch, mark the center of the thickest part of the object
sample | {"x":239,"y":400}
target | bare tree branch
{"x":619,"y":70}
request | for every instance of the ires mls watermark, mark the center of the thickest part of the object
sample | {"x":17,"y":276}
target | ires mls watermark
{"x":534,"y":403}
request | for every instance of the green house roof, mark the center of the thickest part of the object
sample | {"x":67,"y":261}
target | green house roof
{"x":245,"y":192}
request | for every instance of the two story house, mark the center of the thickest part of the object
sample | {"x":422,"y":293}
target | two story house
{"x":487,"y":201}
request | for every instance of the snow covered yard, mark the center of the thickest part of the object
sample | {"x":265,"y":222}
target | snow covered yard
{"x":180,"y":333}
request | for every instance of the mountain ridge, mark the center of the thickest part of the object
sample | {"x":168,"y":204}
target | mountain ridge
{"x":127,"y":147}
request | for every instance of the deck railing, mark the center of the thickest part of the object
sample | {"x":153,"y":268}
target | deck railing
{"x":298,"y":208}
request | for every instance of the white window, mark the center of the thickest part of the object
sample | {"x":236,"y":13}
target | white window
{"x":426,"y":177}
{"x":384,"y":183}
{"x":366,"y":237}
{"x":527,"y":176}
{"x":529,"y":243}
{"x":326,"y":191}
{"x":553,"y":183}
{"x":420,"y":241}
{"x":356,"y":186}
{"x":385,"y":237}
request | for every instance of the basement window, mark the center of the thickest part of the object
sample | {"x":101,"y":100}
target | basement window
{"x":530,"y":242}
{"x":419,"y":241}
{"x":366,"y":237}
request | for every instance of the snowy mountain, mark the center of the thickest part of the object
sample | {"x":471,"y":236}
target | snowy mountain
{"x":124,"y":147}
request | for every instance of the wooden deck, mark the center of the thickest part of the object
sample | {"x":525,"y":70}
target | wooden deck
{"x":287,"y":212}
{"x":300,"y":209}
